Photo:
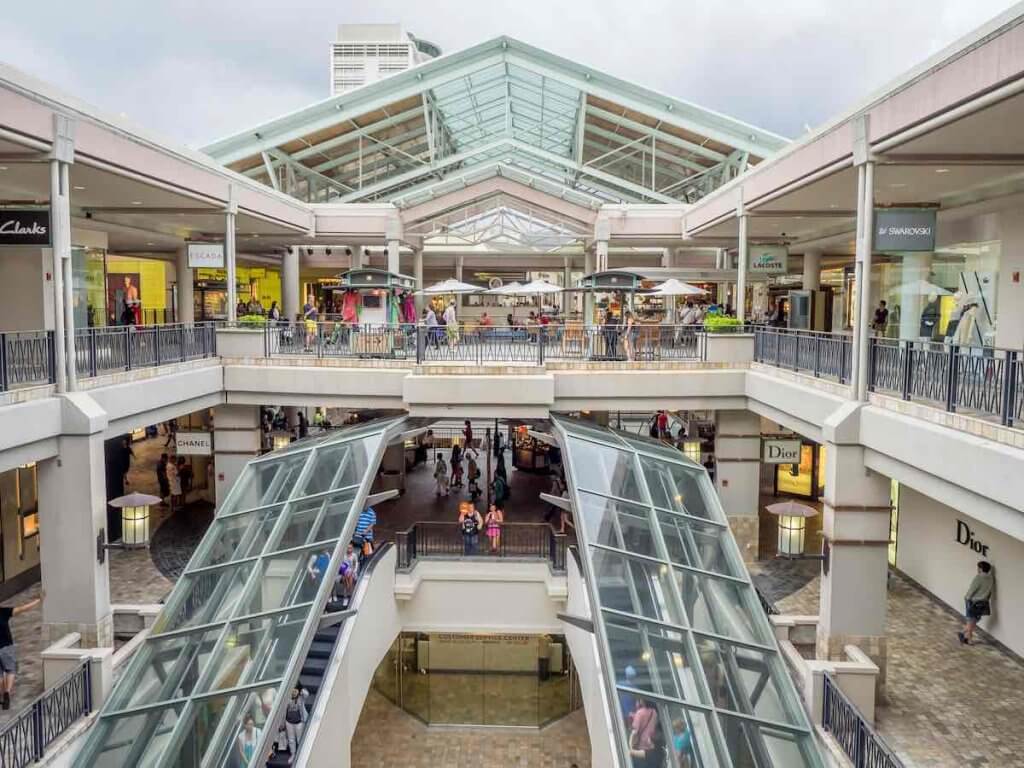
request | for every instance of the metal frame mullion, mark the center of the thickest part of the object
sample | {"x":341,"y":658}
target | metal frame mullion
{"x":672,"y":563}
{"x":246,"y":617}
{"x":714,"y":523}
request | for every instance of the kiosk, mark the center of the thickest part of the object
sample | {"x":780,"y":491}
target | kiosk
{"x":372,"y":305}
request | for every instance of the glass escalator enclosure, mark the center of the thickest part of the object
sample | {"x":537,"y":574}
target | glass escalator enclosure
{"x":685,"y":644}
{"x":207,"y":684}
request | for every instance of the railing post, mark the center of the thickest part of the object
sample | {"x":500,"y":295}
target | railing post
{"x":817,"y":355}
{"x":419,"y":344}
{"x":4,"y":381}
{"x":1009,"y":388}
{"x":908,"y":369}
{"x":778,"y":348}
{"x":51,"y":353}
{"x":541,"y":334}
{"x":128,"y":347}
{"x":872,"y":361}
{"x":156,"y":342}
{"x":952,"y":365}
{"x":38,"y":740}
{"x":87,"y":677}
{"x":92,"y":351}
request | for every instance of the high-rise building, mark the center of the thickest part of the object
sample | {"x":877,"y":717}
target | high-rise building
{"x":365,"y":53}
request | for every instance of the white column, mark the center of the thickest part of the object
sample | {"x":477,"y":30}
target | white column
{"x":417,"y":273}
{"x":229,"y":259}
{"x":290,"y":298}
{"x":812,"y":270}
{"x":236,"y":440}
{"x":738,"y":475}
{"x":566,"y":280}
{"x":588,"y":297}
{"x":72,"y":497}
{"x":741,"y":272}
{"x":602,"y":256}
{"x":917,"y":267}
{"x":60,"y":227}
{"x":394,"y":251}
{"x":460,"y":261}
{"x":865,"y":239}
{"x":853,"y":585}
{"x":186,"y":304}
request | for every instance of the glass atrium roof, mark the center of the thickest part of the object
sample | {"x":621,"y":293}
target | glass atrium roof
{"x":235,"y":629}
{"x":677,"y":619}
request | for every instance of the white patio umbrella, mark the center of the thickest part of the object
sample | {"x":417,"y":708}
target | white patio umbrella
{"x":504,"y":290}
{"x":537,"y":288}
{"x":921,"y":287}
{"x":673,"y":287}
{"x":449,"y":286}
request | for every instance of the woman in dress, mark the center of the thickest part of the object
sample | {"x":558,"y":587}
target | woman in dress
{"x":492,"y":523}
{"x":441,"y":475}
{"x":174,"y":480}
{"x":629,"y":341}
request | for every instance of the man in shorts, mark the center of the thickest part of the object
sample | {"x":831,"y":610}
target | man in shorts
{"x":8,"y":659}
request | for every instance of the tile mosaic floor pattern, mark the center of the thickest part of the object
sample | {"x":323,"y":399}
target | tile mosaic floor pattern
{"x":948,"y":706}
{"x":387,"y":736}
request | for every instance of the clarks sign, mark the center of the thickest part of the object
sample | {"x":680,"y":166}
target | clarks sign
{"x":24,"y":226}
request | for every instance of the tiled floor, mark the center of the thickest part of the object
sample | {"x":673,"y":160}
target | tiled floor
{"x":948,"y":705}
{"x":387,"y":736}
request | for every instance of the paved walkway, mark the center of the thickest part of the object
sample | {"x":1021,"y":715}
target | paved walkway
{"x":948,"y":706}
{"x":387,"y":736}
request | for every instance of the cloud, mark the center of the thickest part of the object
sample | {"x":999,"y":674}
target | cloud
{"x":196,"y":71}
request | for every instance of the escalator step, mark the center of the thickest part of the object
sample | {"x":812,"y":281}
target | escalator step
{"x":314,"y":666}
{"x":321,"y":649}
{"x":310,"y":682}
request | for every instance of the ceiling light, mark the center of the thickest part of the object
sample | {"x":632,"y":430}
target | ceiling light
{"x":3,"y":167}
{"x":253,"y":235}
{"x":136,"y":202}
{"x":898,"y":185}
{"x":942,"y":170}
{"x":149,"y":243}
{"x":80,"y":189}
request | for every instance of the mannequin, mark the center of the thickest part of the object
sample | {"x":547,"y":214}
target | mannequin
{"x":965,"y":331}
{"x":930,"y":317}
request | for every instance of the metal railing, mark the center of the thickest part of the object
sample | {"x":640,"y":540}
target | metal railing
{"x":126,"y":347}
{"x":470,"y":343}
{"x":823,"y":355}
{"x":984,"y":381}
{"x":445,"y":541}
{"x":766,"y":604}
{"x":24,"y":738}
{"x":841,"y":718}
{"x":26,"y":359}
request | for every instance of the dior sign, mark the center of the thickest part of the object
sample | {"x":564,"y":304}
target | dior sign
{"x":781,"y":452}
{"x":965,"y":536}
{"x":24,"y":226}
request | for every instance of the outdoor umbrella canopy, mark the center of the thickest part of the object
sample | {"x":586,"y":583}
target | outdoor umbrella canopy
{"x":921,"y":287}
{"x":791,"y":509}
{"x":134,"y":500}
{"x":537,"y":288}
{"x":673,"y":287}
{"x":449,"y":286}
{"x":505,"y":290}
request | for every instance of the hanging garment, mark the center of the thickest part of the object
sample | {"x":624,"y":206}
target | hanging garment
{"x":350,"y":307}
{"x":394,"y":316}
{"x":410,"y":308}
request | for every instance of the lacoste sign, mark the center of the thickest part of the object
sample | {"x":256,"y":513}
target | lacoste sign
{"x":24,"y":226}
{"x":771,"y":259}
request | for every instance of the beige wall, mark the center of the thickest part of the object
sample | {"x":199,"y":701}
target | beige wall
{"x":26,"y":297}
{"x":15,"y":562}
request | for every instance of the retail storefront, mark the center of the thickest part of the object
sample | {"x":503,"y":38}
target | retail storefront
{"x":19,"y":530}
{"x":939,"y":547}
{"x":210,"y":290}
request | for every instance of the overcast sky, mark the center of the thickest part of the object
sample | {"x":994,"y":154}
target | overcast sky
{"x":198,"y":70}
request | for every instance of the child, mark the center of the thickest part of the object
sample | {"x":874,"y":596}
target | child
{"x":493,"y":522}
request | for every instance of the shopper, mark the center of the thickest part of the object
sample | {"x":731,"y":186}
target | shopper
{"x":8,"y":657}
{"x":500,"y":488}
{"x":440,"y":475}
{"x":248,"y":739}
{"x":473,"y":473}
{"x":274,"y":315}
{"x":295,"y":716}
{"x":184,"y":477}
{"x":451,"y":324}
{"x":467,"y":432}
{"x":642,"y":735}
{"x":161,"y":479}
{"x":881,"y":318}
{"x":433,"y":327}
{"x":663,"y":424}
{"x":172,"y":433}
{"x":470,"y":524}
{"x":494,"y":522}
{"x":363,"y":536}
{"x":348,"y":572}
{"x":303,"y":424}
{"x":978,"y":600}
{"x":174,"y":481}
{"x":630,"y":337}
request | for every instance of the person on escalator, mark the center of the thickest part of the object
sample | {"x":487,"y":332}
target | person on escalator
{"x":248,"y":739}
{"x":295,"y":716}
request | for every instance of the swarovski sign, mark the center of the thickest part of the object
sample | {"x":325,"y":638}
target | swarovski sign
{"x":904,"y":229}
{"x":24,"y":226}
{"x":781,"y":452}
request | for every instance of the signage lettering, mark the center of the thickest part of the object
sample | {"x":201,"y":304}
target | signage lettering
{"x":905,"y":229}
{"x":206,"y":255}
{"x":194,"y":443}
{"x":770,"y":259}
{"x":24,"y":226}
{"x":965,"y":536}
{"x":782,"y":451}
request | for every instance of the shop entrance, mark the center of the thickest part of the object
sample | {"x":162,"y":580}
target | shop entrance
{"x":480,"y":679}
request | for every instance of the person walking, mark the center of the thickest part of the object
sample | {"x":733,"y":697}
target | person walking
{"x":881,"y":318}
{"x":363,"y":536}
{"x":274,"y":315}
{"x":174,"y":483}
{"x":629,"y":342}
{"x":451,"y":324}
{"x":172,"y":433}
{"x":295,"y":716}
{"x":8,"y":656}
{"x":467,"y":432}
{"x":440,"y":475}
{"x":161,"y":479}
{"x":470,"y":524}
{"x":978,"y":600}
{"x":493,"y":523}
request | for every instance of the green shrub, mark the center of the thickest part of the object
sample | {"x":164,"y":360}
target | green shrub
{"x":252,"y":321}
{"x":716,"y":323}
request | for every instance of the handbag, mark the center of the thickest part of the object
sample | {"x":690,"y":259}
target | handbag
{"x":367,"y":548}
{"x":981,"y":607}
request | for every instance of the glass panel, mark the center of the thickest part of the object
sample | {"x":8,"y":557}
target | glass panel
{"x":286,"y":579}
{"x":264,"y":483}
{"x":722,"y":607}
{"x":634,"y":586}
{"x":592,"y":431}
{"x":456,"y":685}
{"x":751,"y":743}
{"x":511,"y":666}
{"x":258,"y":649}
{"x":553,"y":687}
{"x":235,"y":538}
{"x":617,"y":524}
{"x":698,"y":545}
{"x":657,"y":448}
{"x":171,"y":669}
{"x":301,"y":526}
{"x":203,"y":598}
{"x":691,"y":737}
{"x":605,"y":470}
{"x":414,"y":660}
{"x":339,"y":466}
{"x":679,"y":488}
{"x":651,"y":658}
{"x":136,"y":740}
{"x":746,"y":680}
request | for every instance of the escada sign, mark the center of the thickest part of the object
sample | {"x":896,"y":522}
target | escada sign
{"x":24,"y":226}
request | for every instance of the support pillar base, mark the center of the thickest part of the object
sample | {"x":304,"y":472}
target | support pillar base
{"x":876,"y":647}
{"x":99,"y":635}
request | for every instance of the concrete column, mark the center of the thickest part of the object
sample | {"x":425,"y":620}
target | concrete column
{"x":602,"y":256}
{"x":291,"y":299}
{"x":566,"y":283}
{"x":417,"y":273}
{"x":460,"y":261}
{"x":812,"y":270}
{"x":236,"y":440}
{"x":73,"y":500}
{"x":741,"y":272}
{"x":186,"y":304}
{"x":917,"y":268}
{"x":394,"y":251}
{"x":229,"y":260}
{"x":862,"y":277}
{"x":588,"y":296}
{"x":738,"y":475}
{"x":853,"y":581}
{"x":61,"y":240}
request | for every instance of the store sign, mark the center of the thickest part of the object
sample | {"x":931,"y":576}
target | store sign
{"x":768,"y":259}
{"x":194,"y":443}
{"x":781,"y":452}
{"x":206,"y":255}
{"x":965,"y":536}
{"x":24,"y":226}
{"x":904,"y":229}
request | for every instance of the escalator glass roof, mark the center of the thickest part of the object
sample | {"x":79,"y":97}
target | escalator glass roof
{"x":677,"y":619}
{"x":230,"y":638}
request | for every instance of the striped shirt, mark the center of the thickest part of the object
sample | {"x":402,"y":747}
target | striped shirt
{"x":367,"y":519}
